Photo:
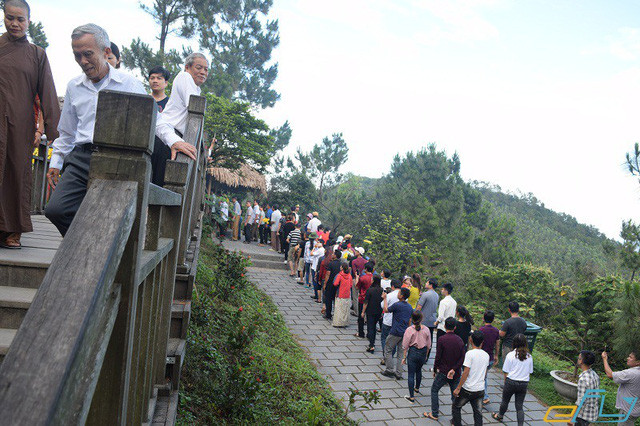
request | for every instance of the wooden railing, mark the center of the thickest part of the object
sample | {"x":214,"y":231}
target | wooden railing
{"x":93,"y":347}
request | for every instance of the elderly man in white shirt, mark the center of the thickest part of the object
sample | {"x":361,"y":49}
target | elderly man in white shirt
{"x":186,"y":83}
{"x":72,"y":150}
{"x":446,"y":309}
{"x":313,"y":224}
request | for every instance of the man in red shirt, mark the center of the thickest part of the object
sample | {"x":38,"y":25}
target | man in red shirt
{"x":363,"y":282}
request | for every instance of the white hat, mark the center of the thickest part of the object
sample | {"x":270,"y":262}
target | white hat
{"x":360,"y":250}
{"x":340,"y":239}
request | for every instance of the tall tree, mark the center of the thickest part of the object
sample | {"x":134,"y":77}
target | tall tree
{"x":630,"y":253}
{"x":241,"y":137}
{"x":240,"y":39}
{"x":169,"y":15}
{"x":37,"y":35}
{"x":324,"y":161}
{"x":633,"y":160}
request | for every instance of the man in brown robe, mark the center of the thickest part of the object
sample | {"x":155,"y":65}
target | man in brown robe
{"x":24,"y":73}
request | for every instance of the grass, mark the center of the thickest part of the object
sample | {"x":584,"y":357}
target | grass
{"x":243,"y":366}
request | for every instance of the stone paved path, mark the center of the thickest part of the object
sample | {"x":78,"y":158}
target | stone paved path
{"x":341,"y":359}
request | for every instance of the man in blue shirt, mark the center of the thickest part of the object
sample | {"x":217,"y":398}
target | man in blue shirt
{"x":401,"y":311}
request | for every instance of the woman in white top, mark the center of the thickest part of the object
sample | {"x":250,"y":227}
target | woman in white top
{"x":518,"y":365}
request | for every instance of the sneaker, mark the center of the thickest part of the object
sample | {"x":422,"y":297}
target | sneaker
{"x":388,"y":373}
{"x":398,"y":376}
{"x":416,"y":390}
{"x":370,"y":350}
{"x":408,"y":398}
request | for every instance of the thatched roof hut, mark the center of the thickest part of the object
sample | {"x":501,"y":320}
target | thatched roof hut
{"x":246,"y":177}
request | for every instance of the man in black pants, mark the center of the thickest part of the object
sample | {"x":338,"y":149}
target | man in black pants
{"x":329,"y":289}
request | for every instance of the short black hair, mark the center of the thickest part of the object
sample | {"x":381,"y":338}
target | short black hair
{"x":115,"y":50}
{"x":338,"y":253}
{"x":448,"y":287}
{"x":489,"y":316}
{"x":588,"y":358}
{"x":433,"y":282}
{"x":450,"y":323}
{"x":160,"y":70}
{"x":477,"y":337}
{"x":387,"y":273}
{"x":514,"y":307}
{"x":17,"y":3}
{"x":405,"y":293}
{"x":396,"y":283}
{"x":368,"y":267}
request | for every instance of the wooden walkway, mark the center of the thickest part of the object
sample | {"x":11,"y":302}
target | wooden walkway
{"x":21,"y":272}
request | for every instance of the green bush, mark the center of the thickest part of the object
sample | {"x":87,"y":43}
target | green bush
{"x":243,"y":366}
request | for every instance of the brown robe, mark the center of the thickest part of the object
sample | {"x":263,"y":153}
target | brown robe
{"x":24,"y":73}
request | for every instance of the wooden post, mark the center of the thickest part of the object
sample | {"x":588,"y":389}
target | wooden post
{"x":124,"y":136}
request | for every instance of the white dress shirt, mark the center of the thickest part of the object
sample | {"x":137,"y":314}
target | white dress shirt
{"x":78,"y":117}
{"x":256,"y":212}
{"x":237,"y":210}
{"x":387,"y":318}
{"x":176,"y":111}
{"x":313,"y":224}
{"x":224,"y":210}
{"x":446,"y":309}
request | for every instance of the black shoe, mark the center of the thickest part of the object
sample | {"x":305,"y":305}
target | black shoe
{"x":388,"y":373}
{"x":382,"y":362}
{"x":398,"y":376}
{"x":370,"y":350}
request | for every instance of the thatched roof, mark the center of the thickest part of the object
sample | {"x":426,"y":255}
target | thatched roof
{"x":246,"y":176}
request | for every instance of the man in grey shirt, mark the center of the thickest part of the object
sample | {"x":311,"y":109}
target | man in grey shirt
{"x":511,"y":327}
{"x":629,"y":381}
{"x":428,"y":304}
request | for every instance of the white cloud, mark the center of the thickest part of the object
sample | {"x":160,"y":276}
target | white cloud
{"x":625,"y":44}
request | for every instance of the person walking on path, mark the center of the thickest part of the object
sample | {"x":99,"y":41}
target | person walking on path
{"x":446,"y":309}
{"x":471,"y":386}
{"x":629,"y":385}
{"x":329,"y":290}
{"x":24,"y":74}
{"x":401,"y":315}
{"x":294,"y":241}
{"x":463,"y":325}
{"x":428,"y":304}
{"x":446,"y":367}
{"x":373,"y":310}
{"x":511,"y":327}
{"x":317,"y":254}
{"x":387,"y":318}
{"x":288,"y":227}
{"x":363,"y":282}
{"x":237,"y":214}
{"x":491,"y":335}
{"x":517,"y":367}
{"x":275,"y":227}
{"x":416,"y":343}
{"x":248,"y":223}
{"x":343,"y":300}
{"x":588,"y":379}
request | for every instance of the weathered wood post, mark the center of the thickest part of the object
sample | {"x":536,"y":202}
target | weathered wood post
{"x":124,"y":137}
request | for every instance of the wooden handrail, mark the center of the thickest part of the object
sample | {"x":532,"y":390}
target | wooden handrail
{"x":93,"y":347}
{"x":55,"y":358}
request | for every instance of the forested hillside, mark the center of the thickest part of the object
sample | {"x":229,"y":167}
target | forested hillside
{"x":556,"y":240}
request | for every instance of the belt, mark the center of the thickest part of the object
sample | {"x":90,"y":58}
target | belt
{"x":85,"y":147}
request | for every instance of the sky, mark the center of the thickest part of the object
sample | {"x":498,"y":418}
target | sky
{"x":539,"y":96}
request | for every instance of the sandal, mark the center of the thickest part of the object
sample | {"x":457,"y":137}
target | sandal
{"x":496,"y":416}
{"x":410,"y":399}
{"x":430,"y":416}
{"x":486,"y":401}
{"x":416,"y":390}
{"x":11,"y":241}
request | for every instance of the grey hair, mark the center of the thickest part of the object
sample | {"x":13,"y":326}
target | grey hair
{"x":21,"y":4}
{"x":192,"y":58}
{"x":101,"y":36}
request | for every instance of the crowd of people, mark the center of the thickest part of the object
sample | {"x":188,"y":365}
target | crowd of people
{"x":410,"y":317}
{"x":30,"y":109}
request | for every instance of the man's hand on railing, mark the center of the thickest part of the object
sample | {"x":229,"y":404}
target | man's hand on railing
{"x":52,"y":176}
{"x":38,"y":137}
{"x":185,"y":148}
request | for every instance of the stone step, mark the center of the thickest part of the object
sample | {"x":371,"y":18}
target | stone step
{"x":271,"y":256}
{"x":14,"y":303}
{"x":269,"y":264}
{"x":6,"y":337}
